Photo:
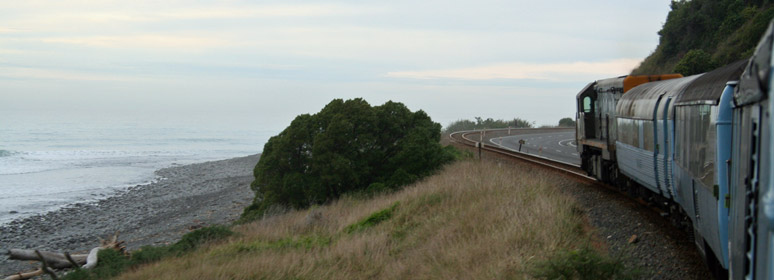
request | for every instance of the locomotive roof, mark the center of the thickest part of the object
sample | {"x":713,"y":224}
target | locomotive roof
{"x":639,"y":102}
{"x":610,"y":85}
{"x":709,"y":87}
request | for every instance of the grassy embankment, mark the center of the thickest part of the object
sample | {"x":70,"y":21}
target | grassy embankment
{"x":473,"y":220}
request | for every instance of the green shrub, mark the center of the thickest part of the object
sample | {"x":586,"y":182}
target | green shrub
{"x":194,"y":239}
{"x":347,"y":147}
{"x":111,"y":263}
{"x":459,"y":154}
{"x":584,"y":264}
{"x":148,"y":254}
{"x":567,"y":122}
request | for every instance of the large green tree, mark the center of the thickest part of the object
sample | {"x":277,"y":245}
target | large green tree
{"x":347,"y":146}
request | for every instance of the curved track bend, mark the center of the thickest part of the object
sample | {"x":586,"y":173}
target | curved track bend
{"x":476,"y":138}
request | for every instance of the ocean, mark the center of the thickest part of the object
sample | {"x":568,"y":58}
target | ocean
{"x":47,"y":164}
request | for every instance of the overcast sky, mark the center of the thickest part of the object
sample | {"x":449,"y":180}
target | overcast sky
{"x":261,"y":63}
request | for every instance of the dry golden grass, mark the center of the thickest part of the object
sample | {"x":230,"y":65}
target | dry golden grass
{"x":474,"y":220}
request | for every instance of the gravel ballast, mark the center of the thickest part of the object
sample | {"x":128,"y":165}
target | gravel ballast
{"x":659,"y":249}
{"x":185,"y":198}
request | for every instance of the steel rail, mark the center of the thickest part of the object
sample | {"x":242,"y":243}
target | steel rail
{"x":461,"y":137}
{"x":564,"y":167}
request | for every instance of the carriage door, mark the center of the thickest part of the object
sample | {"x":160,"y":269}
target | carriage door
{"x":653,"y":143}
{"x":664,"y":145}
{"x":744,"y":191}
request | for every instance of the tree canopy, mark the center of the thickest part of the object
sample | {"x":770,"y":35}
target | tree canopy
{"x":695,"y":62}
{"x":348,"y":146}
{"x":700,"y":35}
{"x":489,"y":123}
{"x":567,"y":122}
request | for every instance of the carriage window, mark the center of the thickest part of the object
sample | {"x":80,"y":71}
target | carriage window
{"x":695,"y":142}
{"x":647,"y":136}
{"x":587,"y":104}
{"x":629,"y":132}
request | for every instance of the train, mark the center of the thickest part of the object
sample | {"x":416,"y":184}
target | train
{"x":698,"y":148}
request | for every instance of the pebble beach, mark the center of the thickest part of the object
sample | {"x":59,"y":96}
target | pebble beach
{"x":185,"y":198}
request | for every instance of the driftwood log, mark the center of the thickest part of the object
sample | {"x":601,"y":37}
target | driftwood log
{"x":26,"y":275}
{"x":61,"y":260}
{"x":45,"y":266}
{"x":54,"y":259}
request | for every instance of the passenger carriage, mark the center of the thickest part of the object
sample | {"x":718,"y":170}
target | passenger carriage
{"x":671,"y":135}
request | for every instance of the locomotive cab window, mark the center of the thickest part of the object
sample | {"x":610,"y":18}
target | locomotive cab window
{"x":587,"y":104}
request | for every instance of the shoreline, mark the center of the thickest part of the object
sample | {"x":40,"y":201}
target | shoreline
{"x":188,"y":197}
{"x":87,"y":201}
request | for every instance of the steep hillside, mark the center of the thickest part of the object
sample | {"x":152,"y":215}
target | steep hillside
{"x":701,"y":35}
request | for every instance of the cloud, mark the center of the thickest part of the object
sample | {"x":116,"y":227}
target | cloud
{"x":204,"y":13}
{"x":531,"y":71}
{"x":66,"y":15}
{"x":4,"y":30}
{"x":306,"y":10}
{"x":49,"y":74}
{"x":180,"y":43}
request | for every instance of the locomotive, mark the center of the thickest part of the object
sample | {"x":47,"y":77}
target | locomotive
{"x":696,"y":147}
{"x":596,"y":123}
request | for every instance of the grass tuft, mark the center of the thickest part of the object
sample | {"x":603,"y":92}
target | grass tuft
{"x":372,"y":220}
{"x":193,"y":239}
{"x":582,"y":264}
{"x":304,"y":242}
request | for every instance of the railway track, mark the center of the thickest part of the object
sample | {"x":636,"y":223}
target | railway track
{"x":473,"y":139}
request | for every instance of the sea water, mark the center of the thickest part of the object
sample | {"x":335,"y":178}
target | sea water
{"x":48,"y":164}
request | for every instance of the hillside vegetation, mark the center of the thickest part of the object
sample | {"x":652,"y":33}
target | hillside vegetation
{"x":701,"y":35}
{"x":473,"y":220}
{"x":489,"y":123}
